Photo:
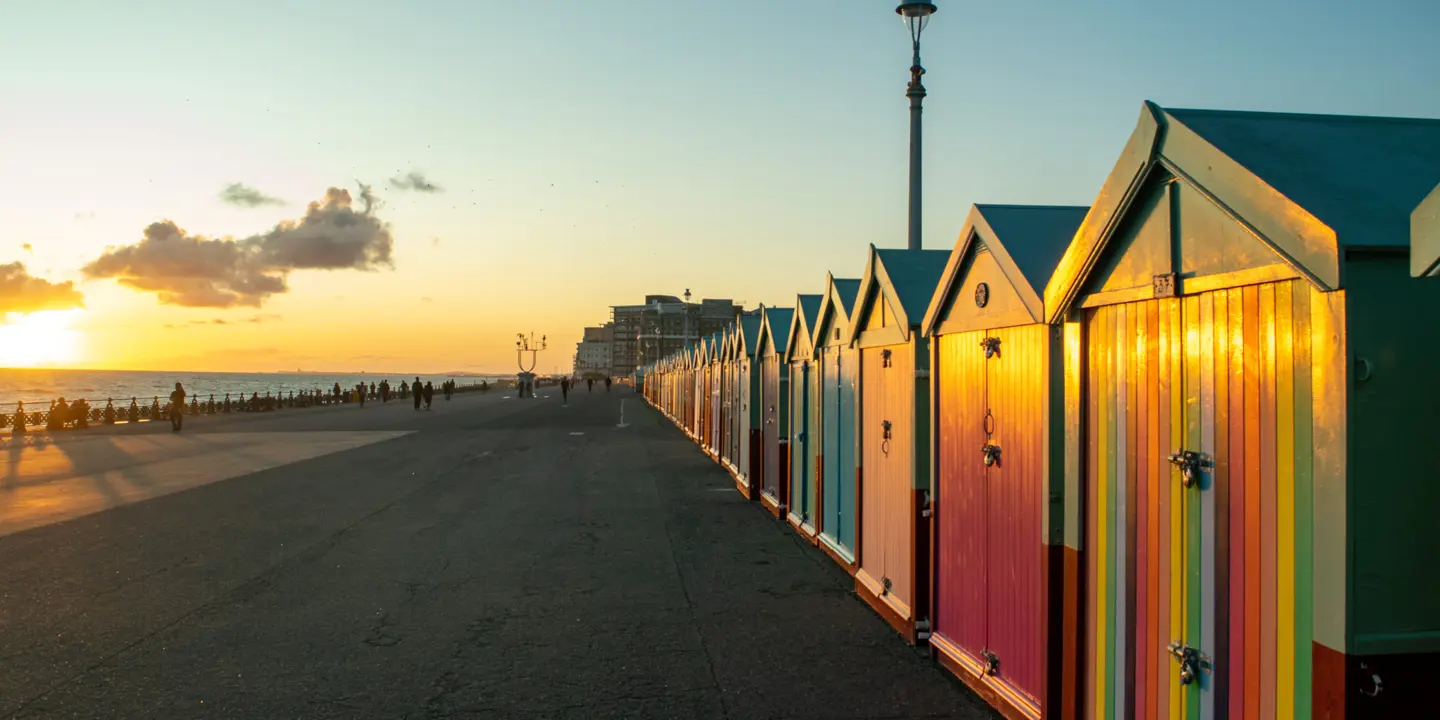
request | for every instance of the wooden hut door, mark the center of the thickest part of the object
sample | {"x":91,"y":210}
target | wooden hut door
{"x":961,"y":518}
{"x":770,"y":405}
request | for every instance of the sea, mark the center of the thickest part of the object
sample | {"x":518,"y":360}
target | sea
{"x":96,"y":386}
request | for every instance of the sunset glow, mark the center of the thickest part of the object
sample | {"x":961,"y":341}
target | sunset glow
{"x":40,"y":339}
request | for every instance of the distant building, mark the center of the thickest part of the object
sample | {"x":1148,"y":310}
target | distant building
{"x":593,"y":352}
{"x":664,"y":324}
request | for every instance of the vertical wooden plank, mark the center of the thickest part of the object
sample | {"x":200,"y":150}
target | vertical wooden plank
{"x":1268,"y":517}
{"x":1140,"y":441}
{"x":1107,"y":521}
{"x":1221,"y":479}
{"x":1154,"y":476}
{"x":1176,"y":530}
{"x":1191,"y":523}
{"x":1167,"y":697}
{"x":1205,"y":497}
{"x":1285,"y":502}
{"x":1330,"y":383}
{"x":1119,"y":343}
{"x":1304,"y":555}
{"x":1235,"y":479}
{"x":1128,"y":485}
{"x":1253,"y":629}
{"x":1094,"y":699}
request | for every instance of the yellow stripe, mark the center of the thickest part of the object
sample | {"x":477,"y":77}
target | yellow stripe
{"x":1102,"y":582}
{"x":1171,"y":309}
{"x":1285,"y":503}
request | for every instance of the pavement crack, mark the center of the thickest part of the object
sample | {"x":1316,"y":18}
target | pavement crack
{"x":381,"y":634}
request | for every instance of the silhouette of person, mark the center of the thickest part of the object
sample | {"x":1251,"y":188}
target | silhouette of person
{"x":177,"y":408}
{"x":429,"y":394}
{"x":607,"y":384}
{"x":419,"y":391}
{"x":565,"y":390}
{"x":590,"y":384}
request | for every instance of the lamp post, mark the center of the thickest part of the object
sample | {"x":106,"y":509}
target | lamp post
{"x":916,"y":14}
{"x":523,"y":345}
{"x":685,"y":341}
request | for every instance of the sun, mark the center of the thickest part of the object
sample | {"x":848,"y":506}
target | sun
{"x":39,"y":339}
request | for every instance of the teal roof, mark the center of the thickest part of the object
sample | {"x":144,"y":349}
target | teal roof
{"x":1035,"y":236}
{"x":750,"y":333}
{"x":1362,"y":176}
{"x":809,"y":309}
{"x":913,"y":275}
{"x":777,"y":320}
{"x":847,"y":289}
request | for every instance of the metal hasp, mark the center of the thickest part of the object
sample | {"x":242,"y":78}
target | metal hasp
{"x":992,"y":347}
{"x":992,"y":454}
{"x":916,"y":16}
{"x":885,"y":358}
{"x":1192,"y":661}
{"x":1189,"y":463}
{"x":992,"y":662}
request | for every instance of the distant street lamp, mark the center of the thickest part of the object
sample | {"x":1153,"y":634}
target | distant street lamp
{"x":685,"y":341}
{"x":526,"y":377}
{"x":916,"y":15}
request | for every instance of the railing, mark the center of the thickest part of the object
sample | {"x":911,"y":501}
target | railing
{"x":82,"y":413}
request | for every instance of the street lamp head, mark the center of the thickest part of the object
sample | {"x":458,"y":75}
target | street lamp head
{"x":916,"y":14}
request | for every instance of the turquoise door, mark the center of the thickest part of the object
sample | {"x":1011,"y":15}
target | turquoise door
{"x":848,"y":375}
{"x":799,"y":442}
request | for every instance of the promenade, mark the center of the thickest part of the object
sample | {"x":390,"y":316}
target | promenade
{"x":491,"y":558}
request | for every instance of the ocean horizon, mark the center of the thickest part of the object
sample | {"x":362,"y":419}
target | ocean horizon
{"x":41,"y":385}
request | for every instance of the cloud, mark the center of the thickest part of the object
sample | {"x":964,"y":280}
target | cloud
{"x":414,"y":180}
{"x":22,"y":292}
{"x":198,"y":271}
{"x":242,"y":195}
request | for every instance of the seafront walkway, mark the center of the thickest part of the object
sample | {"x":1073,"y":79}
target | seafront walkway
{"x":492,"y":557}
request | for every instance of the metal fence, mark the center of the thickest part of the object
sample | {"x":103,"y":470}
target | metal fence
{"x":82,"y":413}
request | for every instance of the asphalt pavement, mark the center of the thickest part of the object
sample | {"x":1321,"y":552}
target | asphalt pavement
{"x":490,"y":558}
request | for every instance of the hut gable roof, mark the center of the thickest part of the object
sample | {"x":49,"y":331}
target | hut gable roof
{"x":748,"y":336}
{"x":906,"y":279}
{"x":1425,"y":236}
{"x":802,"y":324}
{"x":1027,"y":241}
{"x":776,"y":318}
{"x":838,"y":300}
{"x":1306,"y":186}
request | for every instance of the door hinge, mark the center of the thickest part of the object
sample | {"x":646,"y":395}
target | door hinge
{"x":992,"y":661}
{"x":1190,"y":464}
{"x":991,"y":345}
{"x":1192,"y":661}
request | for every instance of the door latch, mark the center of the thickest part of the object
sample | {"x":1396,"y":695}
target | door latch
{"x":992,"y":661}
{"x":885,"y":582}
{"x":1192,"y":661}
{"x":1189,"y":463}
{"x":992,"y":454}
{"x":927,"y":509}
{"x":991,"y":345}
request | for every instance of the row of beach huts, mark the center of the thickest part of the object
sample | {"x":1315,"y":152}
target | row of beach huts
{"x":1167,"y":456}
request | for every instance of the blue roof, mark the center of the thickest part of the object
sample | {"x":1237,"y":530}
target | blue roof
{"x":1035,"y":236}
{"x":914,"y":275}
{"x":1362,"y":176}
{"x":778,"y":320}
{"x":750,"y":332}
{"x":847,"y":289}
{"x":809,"y":309}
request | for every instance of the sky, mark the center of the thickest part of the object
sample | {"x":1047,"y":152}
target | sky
{"x":582,"y":153}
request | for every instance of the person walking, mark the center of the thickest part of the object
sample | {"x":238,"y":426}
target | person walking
{"x":361,"y":390}
{"x":607,"y":384}
{"x":419,"y":391}
{"x":590,"y":384}
{"x":429,"y":394}
{"x":565,"y":390}
{"x":177,"y":408}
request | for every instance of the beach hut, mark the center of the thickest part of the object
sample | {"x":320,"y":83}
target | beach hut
{"x":715,"y":402}
{"x":774,"y":408}
{"x":835,"y":375}
{"x":697,"y":390}
{"x":892,"y":432}
{"x":803,"y":495}
{"x":1425,"y":236}
{"x":747,"y":403}
{"x":726,"y":453}
{"x":1003,"y":600}
{"x":1253,"y":405}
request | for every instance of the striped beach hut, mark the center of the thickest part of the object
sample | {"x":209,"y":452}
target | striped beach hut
{"x":713,"y":402}
{"x":1005,"y":588}
{"x":1425,"y":236}
{"x":697,"y":390}
{"x":726,"y":360}
{"x":893,"y":432}
{"x":1253,"y":405}
{"x":804,"y":416}
{"x":836,"y":375}
{"x":774,"y":408}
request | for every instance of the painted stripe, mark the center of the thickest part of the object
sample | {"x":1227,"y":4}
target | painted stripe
{"x":1144,"y":669}
{"x":1268,"y":517}
{"x":1192,"y":581}
{"x":1221,"y":483}
{"x":1165,"y":523}
{"x":1205,"y":494}
{"x":1252,"y":502}
{"x":1285,"y":507}
{"x":1119,"y":519}
{"x":1155,"y":660}
{"x":1235,"y":657}
{"x":1177,"y":499}
{"x":1094,"y":588}
{"x":1304,"y":551}
{"x":1105,"y":693}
